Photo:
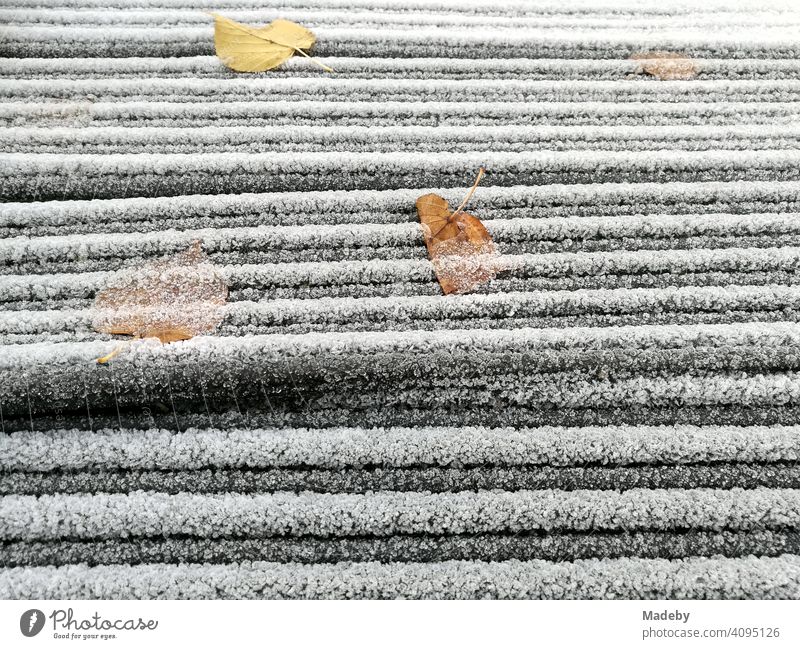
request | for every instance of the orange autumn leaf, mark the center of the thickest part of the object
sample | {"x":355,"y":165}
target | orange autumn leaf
{"x":667,"y":66}
{"x":172,"y":299}
{"x":460,"y":248}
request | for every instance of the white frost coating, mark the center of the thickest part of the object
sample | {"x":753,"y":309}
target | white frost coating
{"x":378,"y":113}
{"x":20,"y":287}
{"x":376,"y":203}
{"x":512,"y":7}
{"x":386,"y":512}
{"x":490,"y":90}
{"x":401,"y":16}
{"x":774,"y":334}
{"x":775,"y":35}
{"x":331,"y":310}
{"x":565,"y":106}
{"x":79,"y":247}
{"x":691,"y":578}
{"x":371,"y":67}
{"x":517,"y":304}
{"x":376,"y":139}
{"x":430,"y":446}
{"x":400,"y":163}
{"x":442,"y":134}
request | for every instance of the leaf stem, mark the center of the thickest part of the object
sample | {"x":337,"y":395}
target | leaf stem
{"x":481,"y":171}
{"x":322,"y":65}
{"x":119,"y":348}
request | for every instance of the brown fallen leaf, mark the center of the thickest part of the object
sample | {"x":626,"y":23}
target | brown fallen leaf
{"x":172,"y":298}
{"x":459,"y":246}
{"x":255,"y":49}
{"x":667,"y":66}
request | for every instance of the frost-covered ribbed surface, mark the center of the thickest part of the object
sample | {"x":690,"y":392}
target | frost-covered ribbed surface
{"x":616,"y":415}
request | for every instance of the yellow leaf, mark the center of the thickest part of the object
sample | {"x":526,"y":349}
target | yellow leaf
{"x":285,"y":32}
{"x":256,"y":49}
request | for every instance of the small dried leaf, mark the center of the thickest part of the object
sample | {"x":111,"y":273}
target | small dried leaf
{"x":667,"y":66}
{"x":460,"y":248}
{"x":256,"y":49}
{"x":173,"y":298}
